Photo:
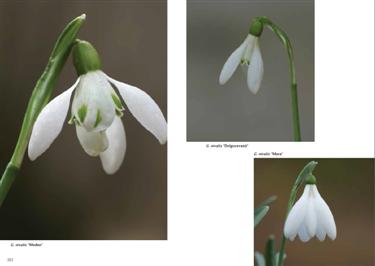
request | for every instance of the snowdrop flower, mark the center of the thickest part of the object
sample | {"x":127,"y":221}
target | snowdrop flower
{"x":309,"y":217}
{"x":247,"y":55}
{"x":96,"y":110}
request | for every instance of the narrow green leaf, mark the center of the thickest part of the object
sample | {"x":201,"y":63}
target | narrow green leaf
{"x":270,"y":251}
{"x":269,"y":200}
{"x":262,"y":210}
{"x":277,"y":258}
{"x":259,"y":215}
{"x":266,"y":202}
{"x":259,"y":258}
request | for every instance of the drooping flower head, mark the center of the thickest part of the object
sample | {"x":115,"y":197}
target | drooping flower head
{"x":96,"y":111}
{"x":310,"y":216}
{"x":247,"y":55}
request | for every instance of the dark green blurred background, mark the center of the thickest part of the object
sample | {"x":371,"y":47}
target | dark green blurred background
{"x":65,"y":194}
{"x":347,"y":185}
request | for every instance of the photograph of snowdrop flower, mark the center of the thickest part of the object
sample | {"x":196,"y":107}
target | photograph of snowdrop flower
{"x":239,"y":84}
{"x":96,"y":166}
{"x":331,"y":221}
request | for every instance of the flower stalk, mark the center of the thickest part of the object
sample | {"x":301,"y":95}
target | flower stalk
{"x":39,"y":98}
{"x":293,"y":86}
{"x":303,"y":176}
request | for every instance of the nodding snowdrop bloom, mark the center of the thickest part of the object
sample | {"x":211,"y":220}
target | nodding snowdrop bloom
{"x":96,"y":110}
{"x":247,"y":55}
{"x":309,"y":217}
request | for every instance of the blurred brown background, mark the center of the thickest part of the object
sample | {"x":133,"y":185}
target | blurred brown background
{"x":65,"y":194}
{"x":230,"y":112}
{"x":347,"y":185}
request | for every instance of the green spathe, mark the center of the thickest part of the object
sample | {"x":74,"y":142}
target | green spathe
{"x":39,"y":98}
{"x":85,"y":57}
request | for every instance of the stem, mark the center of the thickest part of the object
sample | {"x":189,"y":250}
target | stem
{"x":306,"y":172}
{"x":39,"y":98}
{"x":293,"y":87}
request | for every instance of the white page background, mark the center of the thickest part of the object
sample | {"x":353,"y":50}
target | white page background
{"x":205,"y":225}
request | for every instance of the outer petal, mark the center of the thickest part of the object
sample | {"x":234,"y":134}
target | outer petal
{"x":303,"y":233}
{"x":296,"y":216}
{"x":325,"y":216}
{"x":144,"y":109}
{"x":49,"y":123}
{"x":310,"y":218}
{"x":255,"y":70}
{"x":92,"y":142}
{"x":320,"y":232}
{"x":113,"y":156}
{"x":234,"y":60}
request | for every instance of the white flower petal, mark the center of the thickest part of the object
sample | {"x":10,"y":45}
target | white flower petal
{"x":234,"y":60}
{"x":94,"y":93}
{"x":249,"y":49}
{"x":320,"y":232}
{"x":310,"y":218}
{"x":325,"y":216}
{"x":296,"y":216}
{"x":92,"y":142}
{"x":255,"y":71}
{"x":49,"y":123}
{"x":304,"y":234}
{"x":113,"y":156}
{"x":144,"y":109}
{"x":292,"y":237}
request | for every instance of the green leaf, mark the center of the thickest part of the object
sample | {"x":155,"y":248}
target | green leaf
{"x":259,"y":214}
{"x":259,"y":258}
{"x":262,"y":210}
{"x":277,"y":258}
{"x":270,"y":251}
{"x":266,"y":202}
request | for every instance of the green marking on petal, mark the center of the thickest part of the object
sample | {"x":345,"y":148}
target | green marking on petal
{"x":98,"y":118}
{"x":82,"y":112}
{"x":117,"y":101}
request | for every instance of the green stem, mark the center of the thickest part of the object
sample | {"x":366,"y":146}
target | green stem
{"x":39,"y":98}
{"x":303,"y":175}
{"x":293,"y":88}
